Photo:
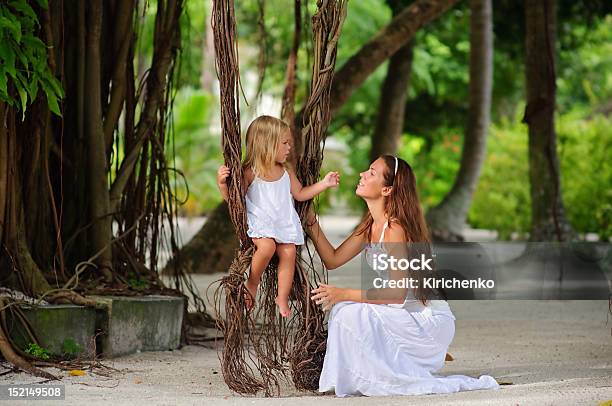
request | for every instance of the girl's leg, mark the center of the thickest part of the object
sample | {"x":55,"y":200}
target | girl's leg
{"x":286,"y":267}
{"x":259,"y":262}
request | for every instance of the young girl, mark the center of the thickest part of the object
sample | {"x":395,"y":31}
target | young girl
{"x":271,"y":185}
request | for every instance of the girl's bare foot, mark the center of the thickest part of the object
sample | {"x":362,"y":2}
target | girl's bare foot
{"x":283,"y":306}
{"x":252,"y":294}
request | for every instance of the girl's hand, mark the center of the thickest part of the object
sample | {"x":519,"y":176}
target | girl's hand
{"x":332,"y":179}
{"x":222,"y":175}
{"x":327,"y":296}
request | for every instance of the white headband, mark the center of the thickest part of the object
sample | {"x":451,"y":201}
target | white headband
{"x":395,"y":166}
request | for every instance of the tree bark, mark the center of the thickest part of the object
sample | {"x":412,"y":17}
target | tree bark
{"x":448,"y":219}
{"x":3,"y":168}
{"x":548,"y":220}
{"x":101,"y":232}
{"x":18,"y":270}
{"x":165,"y":40}
{"x":392,"y":104}
{"x":288,"y":100}
{"x":123,"y":40}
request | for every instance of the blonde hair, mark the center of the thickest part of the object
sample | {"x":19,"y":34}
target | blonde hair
{"x":262,"y":139}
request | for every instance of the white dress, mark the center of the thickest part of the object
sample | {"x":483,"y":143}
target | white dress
{"x":271,"y":212}
{"x":384,"y":350}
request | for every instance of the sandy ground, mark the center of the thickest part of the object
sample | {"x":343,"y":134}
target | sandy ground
{"x":552,"y":353}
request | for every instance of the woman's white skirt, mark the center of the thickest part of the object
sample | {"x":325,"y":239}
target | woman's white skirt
{"x":380,"y":350}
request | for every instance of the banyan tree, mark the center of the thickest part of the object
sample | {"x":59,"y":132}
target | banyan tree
{"x":86,"y":202}
{"x":259,"y":347}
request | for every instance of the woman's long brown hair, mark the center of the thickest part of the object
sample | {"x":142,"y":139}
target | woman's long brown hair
{"x":402,"y":206}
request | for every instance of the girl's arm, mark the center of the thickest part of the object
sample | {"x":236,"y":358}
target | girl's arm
{"x":223,"y":174}
{"x":333,"y":257}
{"x":303,"y":193}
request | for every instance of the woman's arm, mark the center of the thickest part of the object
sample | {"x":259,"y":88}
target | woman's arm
{"x":303,"y":193}
{"x":333,"y":257}
{"x":328,"y":295}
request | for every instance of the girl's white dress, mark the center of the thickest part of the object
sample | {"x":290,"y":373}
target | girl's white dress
{"x":395,"y":349}
{"x":271,"y":212}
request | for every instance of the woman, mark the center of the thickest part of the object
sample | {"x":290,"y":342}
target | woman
{"x":385,"y":345}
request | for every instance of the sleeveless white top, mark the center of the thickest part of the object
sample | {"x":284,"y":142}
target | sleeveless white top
{"x":410,"y":302}
{"x":271,"y":211}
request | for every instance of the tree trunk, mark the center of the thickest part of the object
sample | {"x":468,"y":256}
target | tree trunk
{"x":448,"y":219}
{"x":548,"y":220}
{"x":54,"y":172}
{"x":101,"y":232}
{"x":18,"y":270}
{"x":4,"y":175}
{"x":288,"y":100}
{"x":392,"y":104}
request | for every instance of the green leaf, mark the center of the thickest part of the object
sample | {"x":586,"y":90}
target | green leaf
{"x":23,"y":96}
{"x":3,"y":82}
{"x":32,"y":88}
{"x":24,"y":8}
{"x":22,"y":57}
{"x":43,"y":4}
{"x":10,"y":21}
{"x":51,"y":98}
{"x":8,"y":57}
{"x":55,"y":84}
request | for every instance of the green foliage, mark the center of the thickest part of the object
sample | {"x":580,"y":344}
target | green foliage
{"x":435,"y":113}
{"x":502,"y":200}
{"x":137,"y":283}
{"x":434,"y":165}
{"x":586,"y":71}
{"x":23,"y":59}
{"x":585,"y":147}
{"x":71,"y":348}
{"x":193,"y":23}
{"x":37,"y":351}
{"x":198,"y":151}
{"x":439,"y":67}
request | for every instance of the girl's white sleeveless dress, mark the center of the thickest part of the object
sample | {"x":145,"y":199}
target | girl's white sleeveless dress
{"x":271,"y":212}
{"x":394,"y":349}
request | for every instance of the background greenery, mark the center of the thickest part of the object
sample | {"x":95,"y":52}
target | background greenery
{"x":435,"y":112}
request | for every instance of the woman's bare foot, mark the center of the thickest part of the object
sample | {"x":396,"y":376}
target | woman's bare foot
{"x":283,"y":306}
{"x":252,"y":294}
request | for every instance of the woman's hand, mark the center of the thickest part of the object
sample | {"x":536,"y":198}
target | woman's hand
{"x":311,"y":217}
{"x":332,"y":179}
{"x":327,"y":296}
